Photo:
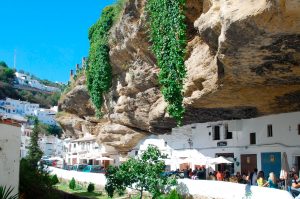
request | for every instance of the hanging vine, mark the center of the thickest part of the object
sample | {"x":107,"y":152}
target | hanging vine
{"x":99,"y":74}
{"x":168,"y":37}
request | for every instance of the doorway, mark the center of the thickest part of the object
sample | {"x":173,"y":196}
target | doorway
{"x":248,"y":163}
{"x":224,"y":167}
{"x":271,"y":162}
{"x":297,"y":163}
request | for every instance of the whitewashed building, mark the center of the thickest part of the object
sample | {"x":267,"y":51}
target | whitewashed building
{"x":46,"y":116}
{"x":27,"y":81}
{"x":21,"y":108}
{"x":49,"y":144}
{"x":86,"y":150}
{"x":250,"y":143}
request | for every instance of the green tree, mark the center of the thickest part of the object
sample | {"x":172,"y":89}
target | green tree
{"x":2,"y":63}
{"x":7,"y":74}
{"x":91,"y":187}
{"x":34,"y":182}
{"x":34,"y":152}
{"x":143,"y":173}
{"x":72,"y":184}
{"x":54,"y":180}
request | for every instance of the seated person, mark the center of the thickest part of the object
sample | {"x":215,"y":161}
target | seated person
{"x":272,"y":181}
{"x":295,"y":188}
{"x":261,"y":179}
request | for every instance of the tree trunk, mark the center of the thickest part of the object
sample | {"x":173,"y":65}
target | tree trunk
{"x":141,"y":194}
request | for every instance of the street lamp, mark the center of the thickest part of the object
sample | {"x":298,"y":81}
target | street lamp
{"x":190,"y":141}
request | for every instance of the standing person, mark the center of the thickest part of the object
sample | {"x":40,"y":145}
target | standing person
{"x":219,"y":176}
{"x":272,"y":181}
{"x":186,"y":173}
{"x":253,"y":177}
{"x":261,"y":179}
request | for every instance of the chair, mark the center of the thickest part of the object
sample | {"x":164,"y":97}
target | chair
{"x":294,"y":192}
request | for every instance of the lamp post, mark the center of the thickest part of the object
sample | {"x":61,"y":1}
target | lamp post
{"x":190,"y":141}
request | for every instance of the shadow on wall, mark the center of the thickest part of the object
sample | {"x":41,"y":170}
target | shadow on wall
{"x":248,"y":192}
{"x":184,"y":190}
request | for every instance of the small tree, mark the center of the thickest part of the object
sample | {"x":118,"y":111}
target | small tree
{"x":91,"y":187}
{"x":54,"y":180}
{"x":72,"y":184}
{"x":34,"y":152}
{"x":143,"y":174}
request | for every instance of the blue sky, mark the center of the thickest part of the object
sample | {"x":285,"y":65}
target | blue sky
{"x":49,"y":36}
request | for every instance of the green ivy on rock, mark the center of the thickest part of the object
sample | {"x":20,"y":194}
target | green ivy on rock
{"x":99,"y":72}
{"x":168,"y":37}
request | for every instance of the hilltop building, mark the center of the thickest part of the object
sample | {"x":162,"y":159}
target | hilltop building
{"x":26,"y":81}
{"x":11,"y":108}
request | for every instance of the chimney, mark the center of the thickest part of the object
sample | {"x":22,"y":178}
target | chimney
{"x":83,"y":62}
{"x":71,"y":74}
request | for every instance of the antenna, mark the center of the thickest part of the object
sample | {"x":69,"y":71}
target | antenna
{"x":15,"y":59}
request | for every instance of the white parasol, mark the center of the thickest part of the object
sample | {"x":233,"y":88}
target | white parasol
{"x":104,"y":158}
{"x":219,"y":160}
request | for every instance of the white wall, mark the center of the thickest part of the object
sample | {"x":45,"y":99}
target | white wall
{"x":10,"y":142}
{"x":228,"y":190}
{"x":206,"y":188}
{"x":285,"y":138}
{"x":96,"y":178}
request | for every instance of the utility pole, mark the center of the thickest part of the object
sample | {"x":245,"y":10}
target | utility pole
{"x":15,"y":59}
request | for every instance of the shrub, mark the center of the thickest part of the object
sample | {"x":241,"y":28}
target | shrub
{"x":6,"y":193}
{"x":72,"y":184}
{"x":54,"y":180}
{"x":121,"y":192}
{"x":173,"y":195}
{"x":91,"y":187}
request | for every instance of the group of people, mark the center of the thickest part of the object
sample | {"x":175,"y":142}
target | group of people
{"x":253,"y":178}
{"x":258,"y":179}
{"x":198,"y":174}
{"x":293,"y":181}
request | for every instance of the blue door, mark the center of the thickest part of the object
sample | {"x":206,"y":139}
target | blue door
{"x":271,"y":162}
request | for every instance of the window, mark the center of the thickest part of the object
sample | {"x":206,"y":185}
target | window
{"x":136,"y":152}
{"x":252,"y":138}
{"x":228,"y":134}
{"x":216,"y":132}
{"x":298,"y":129}
{"x":270,"y":130}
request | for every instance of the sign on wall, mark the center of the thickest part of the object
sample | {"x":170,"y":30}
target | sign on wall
{"x":224,"y":143}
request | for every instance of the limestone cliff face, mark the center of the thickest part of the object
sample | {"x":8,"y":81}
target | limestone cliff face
{"x":243,"y":61}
